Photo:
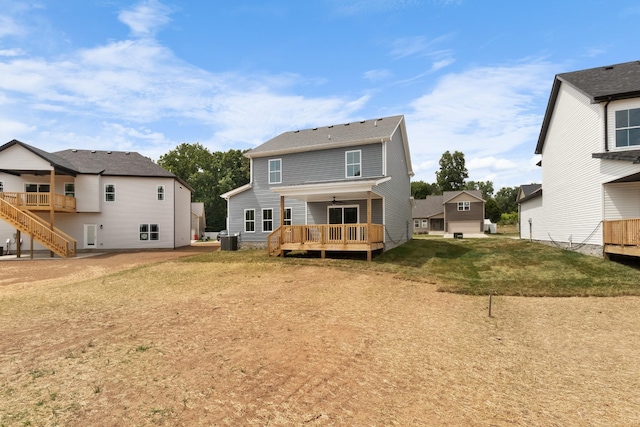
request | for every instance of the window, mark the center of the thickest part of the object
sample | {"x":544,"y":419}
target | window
{"x":628,"y":127}
{"x":288,"y":215}
{"x":464,"y":206}
{"x":425,"y":223}
{"x":69,"y":189}
{"x":109,"y":193}
{"x":149,"y":232}
{"x":1,"y":187}
{"x":353,"y":163}
{"x":275,"y":171}
{"x":267,"y":219}
{"x":160,"y":192}
{"x":36,"y":188}
{"x":416,"y":223}
{"x":250,"y":220}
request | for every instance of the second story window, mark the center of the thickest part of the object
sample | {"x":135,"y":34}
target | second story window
{"x":109,"y":193}
{"x":628,"y":127}
{"x":275,"y":171}
{"x":160,"y":192}
{"x":69,"y":189}
{"x":464,"y":206}
{"x":353,"y":163}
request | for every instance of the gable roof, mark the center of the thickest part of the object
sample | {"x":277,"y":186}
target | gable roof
{"x":335,"y":136}
{"x":428,"y":207}
{"x":528,"y":192}
{"x":600,"y":84}
{"x":94,"y":162}
{"x":448,"y":195}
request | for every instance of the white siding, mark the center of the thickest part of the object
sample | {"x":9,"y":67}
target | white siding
{"x":572,"y":180}
{"x":88,"y":193}
{"x":182,"y":215}
{"x":531,"y":210}
{"x":18,"y":157}
{"x":622,"y":200}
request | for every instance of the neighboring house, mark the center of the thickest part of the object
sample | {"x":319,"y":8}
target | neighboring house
{"x":449,"y":213}
{"x":79,"y":199}
{"x":590,"y":147}
{"x":333,"y":188}
{"x":529,"y":205}
{"x":198,"y":220}
{"x":428,"y":215}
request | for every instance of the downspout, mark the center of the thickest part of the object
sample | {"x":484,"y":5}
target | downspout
{"x":606,"y":125}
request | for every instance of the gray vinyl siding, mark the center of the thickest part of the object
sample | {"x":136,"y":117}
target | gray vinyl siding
{"x":259,"y":197}
{"x":315,"y":166}
{"x":475,"y":212}
{"x":317,"y":212}
{"x":396,"y":194}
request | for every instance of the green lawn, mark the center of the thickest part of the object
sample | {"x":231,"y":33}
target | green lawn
{"x":476,"y":266}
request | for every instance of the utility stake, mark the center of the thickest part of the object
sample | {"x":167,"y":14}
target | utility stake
{"x":490,"y":298}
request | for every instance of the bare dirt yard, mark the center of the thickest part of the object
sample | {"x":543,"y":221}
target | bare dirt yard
{"x":143,"y":339}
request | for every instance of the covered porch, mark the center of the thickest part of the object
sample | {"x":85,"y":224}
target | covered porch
{"x":334,"y":221}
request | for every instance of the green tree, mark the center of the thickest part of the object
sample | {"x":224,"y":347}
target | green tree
{"x":486,"y":187}
{"x":420,"y":189}
{"x":506,"y":200}
{"x":209,"y":174}
{"x":491,"y":210}
{"x":453,"y":172}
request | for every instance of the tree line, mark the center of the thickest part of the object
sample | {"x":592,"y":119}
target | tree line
{"x":452,"y":176}
{"x":210,"y":174}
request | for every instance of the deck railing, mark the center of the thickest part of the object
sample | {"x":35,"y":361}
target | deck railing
{"x":329,"y":234}
{"x":40,"y":201}
{"x":622,"y":232}
{"x":53,"y":239}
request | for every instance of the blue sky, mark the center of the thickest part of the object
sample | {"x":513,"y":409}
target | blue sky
{"x":147,"y":75}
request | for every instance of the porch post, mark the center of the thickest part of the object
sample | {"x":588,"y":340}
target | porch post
{"x":281,"y":237}
{"x":18,"y":245}
{"x":52,"y":208}
{"x":369,"y":225}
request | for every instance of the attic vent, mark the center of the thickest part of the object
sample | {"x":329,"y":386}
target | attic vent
{"x":127,"y":153}
{"x":315,"y":129}
{"x":347,"y":124}
{"x":364,"y":121}
{"x":74,"y":151}
{"x":93,"y":151}
{"x":330,"y":126}
{"x":329,"y":136}
{"x":108,"y":152}
{"x":375,"y":123}
{"x":296,"y":131}
{"x":609,"y":67}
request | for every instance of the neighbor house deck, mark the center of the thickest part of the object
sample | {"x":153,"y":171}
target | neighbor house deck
{"x":622,"y":237}
{"x":326,"y":237}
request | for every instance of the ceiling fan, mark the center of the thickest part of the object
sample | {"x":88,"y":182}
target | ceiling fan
{"x":335,"y":202}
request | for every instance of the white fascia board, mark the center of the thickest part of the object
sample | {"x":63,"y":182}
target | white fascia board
{"x":235,"y":191}
{"x":317,"y":147}
{"x":329,"y":187}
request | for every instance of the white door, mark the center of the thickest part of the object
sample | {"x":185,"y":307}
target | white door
{"x":90,"y":236}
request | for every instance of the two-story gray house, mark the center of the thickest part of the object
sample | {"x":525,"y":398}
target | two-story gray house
{"x":342,"y":187}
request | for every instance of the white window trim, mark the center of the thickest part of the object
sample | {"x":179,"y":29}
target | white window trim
{"x":38,"y":185}
{"x":267,"y":220}
{"x":148,"y":232}
{"x":425,"y":223}
{"x":158,"y":193}
{"x":67,"y":191}
{"x":284,"y":221}
{"x":114,"y":193}
{"x":464,"y":206}
{"x":245,"y":220}
{"x":279,"y":170}
{"x":347,"y":164}
{"x":616,"y":128}
{"x":342,"y":207}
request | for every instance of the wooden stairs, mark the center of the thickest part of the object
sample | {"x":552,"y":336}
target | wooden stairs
{"x":38,"y":229}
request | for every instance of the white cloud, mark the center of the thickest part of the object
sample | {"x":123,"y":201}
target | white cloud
{"x":484,"y":112}
{"x":146,"y":17}
{"x":377,"y":75}
{"x":11,"y":52}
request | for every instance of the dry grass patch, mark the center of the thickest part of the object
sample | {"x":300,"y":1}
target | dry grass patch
{"x":278,"y":343}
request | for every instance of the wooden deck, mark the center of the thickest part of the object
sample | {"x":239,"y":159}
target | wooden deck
{"x":622,"y":236}
{"x":16,"y":209}
{"x":40,"y":201}
{"x":326,"y":237}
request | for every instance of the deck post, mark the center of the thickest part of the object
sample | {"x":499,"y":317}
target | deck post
{"x":281,"y":237}
{"x":18,"y":245}
{"x":52,"y":202}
